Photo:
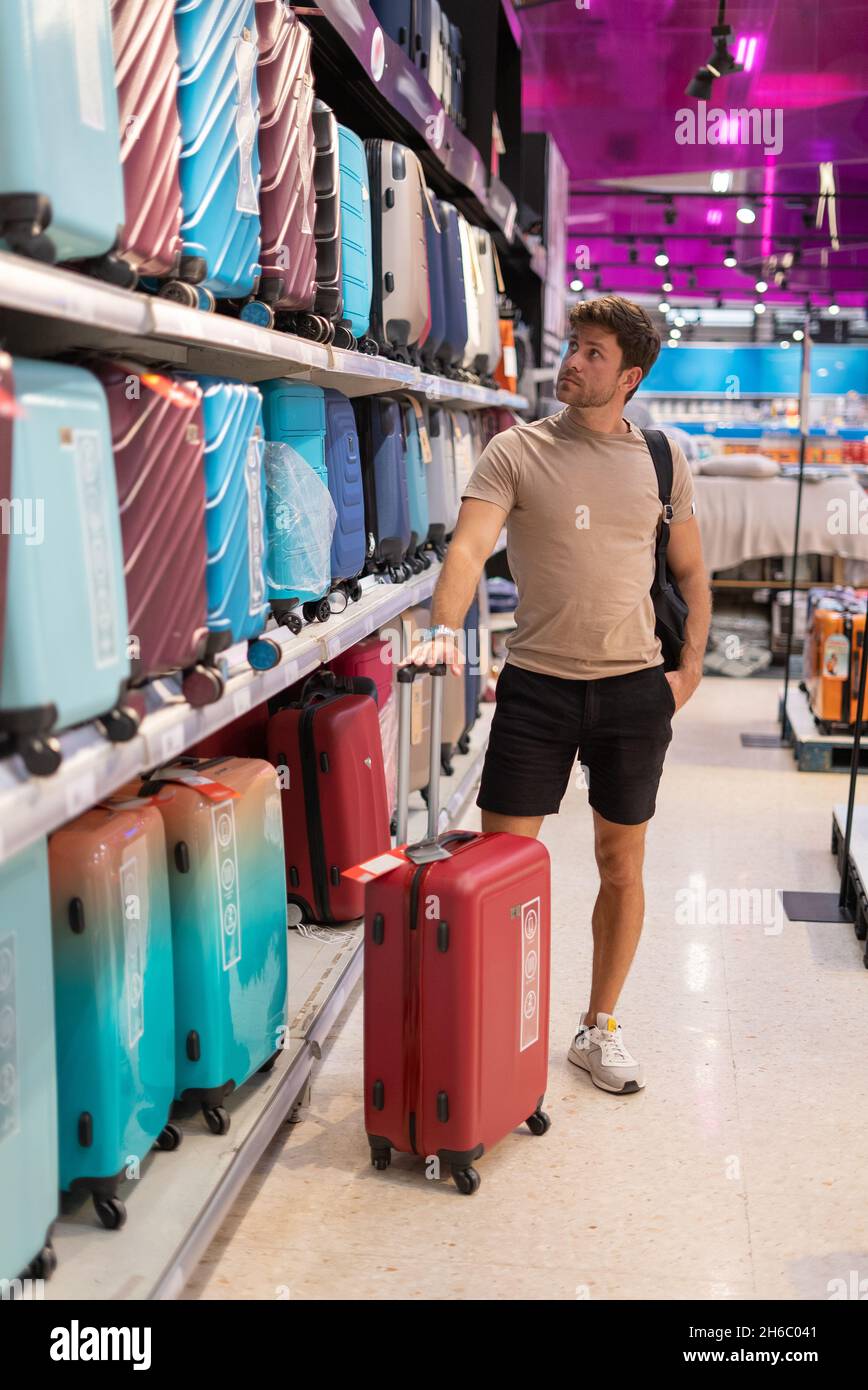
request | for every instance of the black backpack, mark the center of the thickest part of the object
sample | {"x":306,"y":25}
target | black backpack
{"x":669,"y":606}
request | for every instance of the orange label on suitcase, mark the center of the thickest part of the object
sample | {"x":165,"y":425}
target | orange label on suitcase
{"x":376,"y":867}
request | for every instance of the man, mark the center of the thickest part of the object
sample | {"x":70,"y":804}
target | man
{"x":584,"y":675}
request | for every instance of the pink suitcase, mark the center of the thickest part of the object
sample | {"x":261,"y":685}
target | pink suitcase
{"x":456,"y":985}
{"x":146,"y":76}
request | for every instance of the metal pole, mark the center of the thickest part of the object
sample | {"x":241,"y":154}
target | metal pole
{"x":804,"y":426}
{"x":854,"y":768}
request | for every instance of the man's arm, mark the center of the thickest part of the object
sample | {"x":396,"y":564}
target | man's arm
{"x":684,"y":558}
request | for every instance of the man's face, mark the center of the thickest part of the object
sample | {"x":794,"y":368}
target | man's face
{"x":592,"y":374}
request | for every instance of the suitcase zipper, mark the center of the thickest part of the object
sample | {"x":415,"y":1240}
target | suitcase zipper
{"x":313,"y":817}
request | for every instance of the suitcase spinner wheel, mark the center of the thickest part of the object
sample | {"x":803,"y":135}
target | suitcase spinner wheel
{"x":318,"y":611}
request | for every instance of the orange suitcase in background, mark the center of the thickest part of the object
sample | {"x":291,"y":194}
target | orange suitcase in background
{"x":833,"y":654}
{"x":507,"y":368}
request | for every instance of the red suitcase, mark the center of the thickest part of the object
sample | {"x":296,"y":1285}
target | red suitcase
{"x":329,"y":756}
{"x":8,"y":409}
{"x":456,"y":985}
{"x":245,"y":737}
{"x":370,"y":658}
{"x":287,"y":199}
{"x":146,"y":76}
{"x":158,"y":442}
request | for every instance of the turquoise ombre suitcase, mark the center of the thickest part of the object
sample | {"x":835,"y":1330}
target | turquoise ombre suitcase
{"x":235,"y":519}
{"x":417,"y":452}
{"x":113,"y":998}
{"x":28,"y":1086}
{"x":61,"y":186}
{"x":65,"y":644}
{"x":294,"y":414}
{"x":218,"y":103}
{"x":224,"y":836}
{"x":356,"y":253}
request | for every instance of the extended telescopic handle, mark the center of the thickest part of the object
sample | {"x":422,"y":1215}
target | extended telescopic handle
{"x":406,"y":677}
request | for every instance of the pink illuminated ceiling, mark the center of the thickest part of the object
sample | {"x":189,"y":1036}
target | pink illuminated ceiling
{"x":608,"y":82}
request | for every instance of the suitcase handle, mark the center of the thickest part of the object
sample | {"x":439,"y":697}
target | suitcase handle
{"x":406,"y":676}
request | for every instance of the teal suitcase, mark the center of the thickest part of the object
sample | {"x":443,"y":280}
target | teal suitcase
{"x":417,"y":450}
{"x":61,"y":184}
{"x":28,"y":1087}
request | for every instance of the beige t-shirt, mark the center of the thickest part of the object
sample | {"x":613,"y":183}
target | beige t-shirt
{"x":583,"y":514}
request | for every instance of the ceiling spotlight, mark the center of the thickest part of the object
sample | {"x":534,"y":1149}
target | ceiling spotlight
{"x":663,"y":307}
{"x":798,"y":335}
{"x":785,"y":343}
{"x":668,"y":287}
{"x":577,"y":285}
{"x":746,"y":215}
{"x":730,"y":260}
{"x":834,"y":308}
{"x":760,"y":286}
{"x":721,"y":62}
{"x":675,"y":333}
{"x":672,"y":342}
{"x":661,"y":258}
{"x":759,"y":308}
{"x":679,"y":321}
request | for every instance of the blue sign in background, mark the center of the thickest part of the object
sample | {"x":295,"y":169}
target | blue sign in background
{"x":704,"y":370}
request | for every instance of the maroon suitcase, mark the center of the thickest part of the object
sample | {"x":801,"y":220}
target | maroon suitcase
{"x":158,"y":442}
{"x":8,"y":410}
{"x":457,"y":961}
{"x":329,"y":756}
{"x":287,"y":197}
{"x":146,"y":76}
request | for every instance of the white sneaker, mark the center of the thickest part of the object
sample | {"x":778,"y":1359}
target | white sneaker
{"x":599,"y":1048}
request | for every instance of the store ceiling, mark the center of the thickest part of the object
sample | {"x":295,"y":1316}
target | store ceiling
{"x":608,"y":81}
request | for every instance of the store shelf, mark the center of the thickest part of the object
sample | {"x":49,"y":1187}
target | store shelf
{"x":48,"y":310}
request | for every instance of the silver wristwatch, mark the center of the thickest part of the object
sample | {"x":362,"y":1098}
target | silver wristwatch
{"x":428,"y":634}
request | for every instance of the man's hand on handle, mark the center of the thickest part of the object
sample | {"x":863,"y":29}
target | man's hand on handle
{"x":434,"y":650}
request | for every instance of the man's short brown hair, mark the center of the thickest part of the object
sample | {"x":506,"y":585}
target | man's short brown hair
{"x":636,"y":335}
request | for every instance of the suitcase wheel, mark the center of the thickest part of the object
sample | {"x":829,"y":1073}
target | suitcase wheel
{"x":216,"y":1119}
{"x":45,"y":1263}
{"x":381,"y":1157}
{"x":205,"y":299}
{"x":268,"y":1065}
{"x":202,"y":685}
{"x":343,"y":338}
{"x":42,"y":756}
{"x":258,"y":312}
{"x":168,"y":1139}
{"x":179,"y":292}
{"x":369,"y":345}
{"x":467,"y":1180}
{"x":120,"y":724}
{"x":539,"y":1122}
{"x":319,"y":611}
{"x":25,"y":240}
{"x":111,"y":1212}
{"x":264,"y":654}
{"x":292,"y":621}
{"x":463,"y":744}
{"x":354,"y":589}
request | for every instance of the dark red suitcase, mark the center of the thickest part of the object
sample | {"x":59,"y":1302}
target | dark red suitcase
{"x":287,"y":150}
{"x":146,"y":77}
{"x":158,"y":442}
{"x":8,"y":409}
{"x":329,"y":756}
{"x":457,"y":961}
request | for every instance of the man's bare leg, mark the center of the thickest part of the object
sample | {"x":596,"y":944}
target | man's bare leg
{"x":618,"y":911}
{"x":516,"y":825}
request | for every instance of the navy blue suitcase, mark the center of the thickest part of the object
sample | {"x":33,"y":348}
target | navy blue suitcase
{"x":420,"y":44}
{"x":396,"y":17}
{"x":436,"y":333}
{"x":454,"y":339}
{"x":457,"y":76}
{"x":384,"y":479}
{"x":344,"y":466}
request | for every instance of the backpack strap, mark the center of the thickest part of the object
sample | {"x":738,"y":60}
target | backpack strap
{"x":661,"y":456}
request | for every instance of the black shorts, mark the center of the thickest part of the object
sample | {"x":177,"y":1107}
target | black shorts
{"x":618,"y":728}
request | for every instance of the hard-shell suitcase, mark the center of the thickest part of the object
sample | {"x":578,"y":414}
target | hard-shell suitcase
{"x":384,"y":480}
{"x":146,"y":75}
{"x":158,"y":440}
{"x":28,"y":1068}
{"x":329,"y":755}
{"x":327,"y":180}
{"x":437,"y":60}
{"x":446,"y":51}
{"x":454,"y":342}
{"x":65,"y":644}
{"x":458,"y":65}
{"x":356,"y":249}
{"x":465,"y":455}
{"x":396,"y":17}
{"x":422,"y":35}
{"x":224,"y":839}
{"x":433,"y":237}
{"x":287,"y":152}
{"x":294,"y":413}
{"x":833,"y":654}
{"x":443,"y":500}
{"x":400,"y":304}
{"x":416,"y":449}
{"x":8,"y":408}
{"x":489,"y":314}
{"x":218,"y":102}
{"x":456,"y":990}
{"x":472,"y":292}
{"x":61,"y":187}
{"x":113,"y":998}
{"x":373,"y":659}
{"x":235,"y":519}
{"x":506,"y":374}
{"x":344,"y":466}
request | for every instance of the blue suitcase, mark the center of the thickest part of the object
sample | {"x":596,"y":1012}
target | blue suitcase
{"x":421,"y":38}
{"x":28,"y":1080}
{"x":65,"y":643}
{"x":294,"y":413}
{"x":345,"y":485}
{"x":224,"y":835}
{"x":61,"y":186}
{"x":437,"y":332}
{"x":417,"y":482}
{"x":458,"y":65}
{"x":218,"y":104}
{"x":396,"y":17}
{"x":454,"y":339}
{"x":235,"y":519}
{"x":356,"y":251}
{"x":384,"y":479}
{"x":113,"y":997}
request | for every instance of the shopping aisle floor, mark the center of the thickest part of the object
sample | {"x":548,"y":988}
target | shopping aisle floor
{"x":737,"y":1172}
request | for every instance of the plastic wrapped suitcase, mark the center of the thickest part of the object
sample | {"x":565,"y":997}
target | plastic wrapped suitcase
{"x":384,"y":482}
{"x":294,"y":413}
{"x":61,"y":187}
{"x":454,"y":342}
{"x":235,"y":520}
{"x":356,"y":250}
{"x":224,"y":838}
{"x":327,"y":179}
{"x":400,"y":304}
{"x":218,"y":102}
{"x":456,"y":48}
{"x":146,"y":75}
{"x":158,"y":440}
{"x":344,"y":467}
{"x":335,"y":806}
{"x":437,"y":290}
{"x":28,"y":1067}
{"x":443,"y":500}
{"x":456,"y":987}
{"x":417,"y":452}
{"x":472,"y":292}
{"x":113,"y":998}
{"x":396,"y":17}
{"x":65,"y":643}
